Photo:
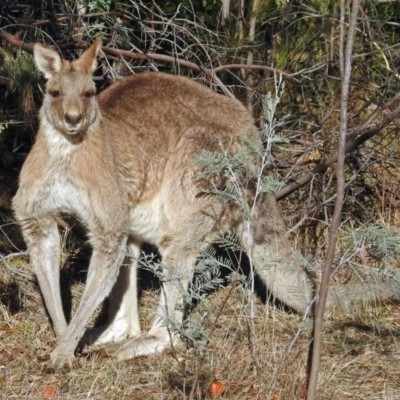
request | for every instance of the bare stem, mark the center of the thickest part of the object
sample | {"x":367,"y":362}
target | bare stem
{"x":345,"y":64}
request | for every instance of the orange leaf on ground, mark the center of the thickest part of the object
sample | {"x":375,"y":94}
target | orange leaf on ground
{"x":216,"y":389}
{"x":49,"y":393}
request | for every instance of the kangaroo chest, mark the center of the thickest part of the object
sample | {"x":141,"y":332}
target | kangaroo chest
{"x":60,"y":194}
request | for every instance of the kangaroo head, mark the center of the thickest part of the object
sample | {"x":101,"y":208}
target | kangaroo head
{"x":70,"y":104}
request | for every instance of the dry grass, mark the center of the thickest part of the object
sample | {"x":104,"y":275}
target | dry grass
{"x":360,"y":354}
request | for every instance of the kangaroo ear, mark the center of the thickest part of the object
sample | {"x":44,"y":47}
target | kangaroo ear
{"x":47,"y":60}
{"x":87,"y":62}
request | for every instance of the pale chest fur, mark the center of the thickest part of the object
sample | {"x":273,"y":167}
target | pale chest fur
{"x":57,"y":145}
{"x":59,"y":194}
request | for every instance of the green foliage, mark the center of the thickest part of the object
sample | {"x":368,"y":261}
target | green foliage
{"x":194,"y":333}
{"x":282,"y":3}
{"x":22,"y":78}
{"x":273,"y":123}
{"x":99,"y":5}
{"x":224,"y":174}
{"x":18,"y":67}
{"x":379,"y":242}
{"x":269,"y":184}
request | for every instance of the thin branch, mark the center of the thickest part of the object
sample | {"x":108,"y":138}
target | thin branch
{"x":256,"y":67}
{"x":345,"y":69}
{"x":16,"y":41}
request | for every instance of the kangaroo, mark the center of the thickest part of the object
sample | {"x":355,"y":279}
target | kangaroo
{"x":124,"y":163}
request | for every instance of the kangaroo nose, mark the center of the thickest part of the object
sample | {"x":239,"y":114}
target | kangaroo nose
{"x":73,"y":119}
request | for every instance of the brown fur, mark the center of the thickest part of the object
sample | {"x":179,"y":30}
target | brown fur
{"x":123,"y":164}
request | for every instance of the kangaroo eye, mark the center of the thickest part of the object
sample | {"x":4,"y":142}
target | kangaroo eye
{"x":88,"y":94}
{"x":54,"y":93}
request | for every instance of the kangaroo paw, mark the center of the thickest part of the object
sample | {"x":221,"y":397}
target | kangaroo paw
{"x":139,"y":346}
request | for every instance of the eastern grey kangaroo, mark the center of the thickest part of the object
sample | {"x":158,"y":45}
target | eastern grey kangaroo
{"x":124,"y":163}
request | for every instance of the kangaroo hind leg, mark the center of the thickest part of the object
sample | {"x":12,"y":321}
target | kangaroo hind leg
{"x":178,"y":264}
{"x":123,"y":313}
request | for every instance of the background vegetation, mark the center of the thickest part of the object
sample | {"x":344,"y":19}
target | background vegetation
{"x":237,"y":47}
